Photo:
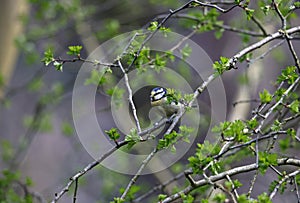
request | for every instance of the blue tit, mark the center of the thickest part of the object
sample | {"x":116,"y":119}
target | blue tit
{"x":159,"y":98}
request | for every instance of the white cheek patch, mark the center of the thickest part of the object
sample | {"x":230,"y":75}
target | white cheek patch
{"x":159,"y":96}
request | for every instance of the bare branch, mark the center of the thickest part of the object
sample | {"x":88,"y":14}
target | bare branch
{"x":284,"y":179}
{"x":282,"y":18}
{"x":138,"y":173}
{"x":231,"y":172}
{"x":130,"y":97}
{"x":267,"y":52}
{"x":297,"y":189}
{"x":205,"y":4}
{"x":102,"y":158}
{"x":75,"y":191}
{"x":225,"y":27}
{"x":292,"y":50}
{"x":159,"y":187}
{"x":252,"y":183}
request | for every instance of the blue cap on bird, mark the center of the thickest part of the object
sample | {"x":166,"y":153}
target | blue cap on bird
{"x":157,"y":94}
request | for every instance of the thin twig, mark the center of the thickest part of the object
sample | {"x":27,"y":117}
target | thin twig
{"x":271,"y":134}
{"x":244,"y":101}
{"x":282,"y":18}
{"x":130,"y":97}
{"x":171,"y":12}
{"x":252,"y":184}
{"x":297,"y":190}
{"x":79,"y":58}
{"x":86,"y":169}
{"x":138,"y":173}
{"x":158,"y":187}
{"x":291,"y":47}
{"x":90,"y":166}
{"x":258,"y":23}
{"x":75,"y":191}
{"x":284,"y":179}
{"x":225,"y":27}
{"x":269,"y":112}
{"x":231,"y":172}
{"x":267,"y":52}
{"x":233,"y":187}
{"x":271,"y":109}
{"x":205,"y":4}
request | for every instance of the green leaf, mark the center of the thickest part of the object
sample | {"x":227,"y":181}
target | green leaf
{"x":252,"y":124}
{"x":289,"y":74}
{"x":264,"y":198}
{"x":276,"y":126}
{"x":297,"y":4}
{"x":110,"y":28}
{"x":58,"y":66}
{"x":243,"y":199}
{"x":237,"y":184}
{"x":291,"y":132}
{"x":219,"y":33}
{"x":118,"y":200}
{"x":284,"y":144}
{"x":265,"y":160}
{"x":173,"y":149}
{"x":201,"y":158}
{"x":272,"y":185}
{"x":297,"y":179}
{"x":235,"y":129}
{"x":28,"y":182}
{"x":7,"y":150}
{"x":167,"y":141}
{"x":153,"y":26}
{"x":95,"y":78}
{"x":266,"y":9}
{"x":187,"y":198}
{"x":161,"y":197}
{"x":220,"y":198}
{"x":48,"y":57}
{"x":45,"y":124}
{"x":133,"y":137}
{"x":186,"y":51}
{"x":173,"y":96}
{"x":159,"y":63}
{"x":185,"y":133}
{"x":170,"y":55}
{"x":222,"y":65}
{"x":117,"y":95}
{"x":74,"y":50}
{"x":165,"y":31}
{"x":113,"y":134}
{"x":249,"y":13}
{"x":265,"y":96}
{"x":67,"y":129}
{"x":294,"y":106}
{"x":132,"y":191}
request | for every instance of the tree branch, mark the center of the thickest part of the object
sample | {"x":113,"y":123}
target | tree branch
{"x":284,"y":179}
{"x":231,"y":172}
{"x":130,"y":97}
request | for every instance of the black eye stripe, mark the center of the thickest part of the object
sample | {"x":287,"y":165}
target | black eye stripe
{"x":157,"y":93}
{"x":161,"y":95}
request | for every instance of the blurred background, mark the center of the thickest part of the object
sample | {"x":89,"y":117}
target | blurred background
{"x":37,"y":137}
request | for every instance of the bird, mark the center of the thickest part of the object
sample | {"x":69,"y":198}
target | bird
{"x":159,"y":97}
